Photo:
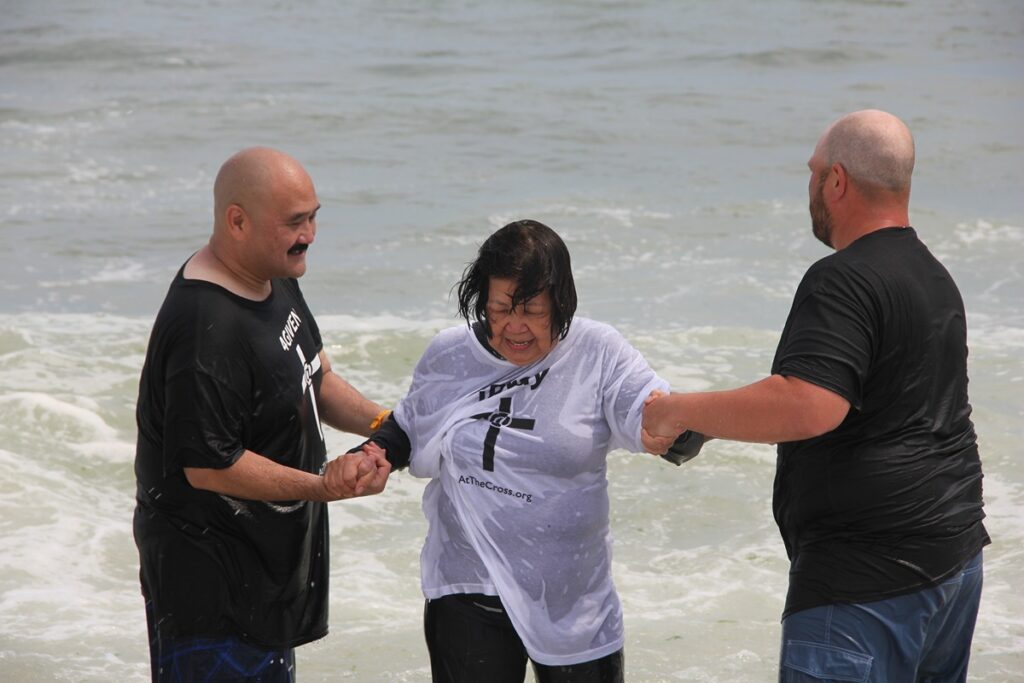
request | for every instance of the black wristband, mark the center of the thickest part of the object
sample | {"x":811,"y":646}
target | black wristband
{"x":686,"y":447}
{"x":395,"y":442}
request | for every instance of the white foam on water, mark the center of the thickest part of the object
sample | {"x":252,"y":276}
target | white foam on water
{"x":992,"y":336}
{"x":68,"y":530}
{"x":704,"y":358}
{"x":76,"y":420}
{"x":996,"y":247}
{"x":696,"y":550}
{"x":124,"y":271}
{"x":38,"y":326}
{"x":982,"y":231}
{"x":382,"y":325}
{"x":31,"y":128}
{"x":69,"y":570}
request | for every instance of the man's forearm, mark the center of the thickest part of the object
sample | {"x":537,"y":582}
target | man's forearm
{"x":344,"y":408}
{"x":774,"y":410}
{"x":255,"y":477}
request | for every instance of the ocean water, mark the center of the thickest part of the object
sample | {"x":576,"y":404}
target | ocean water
{"x":666,"y":141}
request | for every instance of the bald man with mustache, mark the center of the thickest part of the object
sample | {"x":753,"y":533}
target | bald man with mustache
{"x":878,"y":481}
{"x":233,"y":479}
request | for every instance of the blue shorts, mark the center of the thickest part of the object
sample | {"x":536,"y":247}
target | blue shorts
{"x":215,"y":660}
{"x":920,"y":637}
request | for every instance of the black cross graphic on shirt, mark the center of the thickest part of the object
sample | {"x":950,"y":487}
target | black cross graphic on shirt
{"x":500,"y":418}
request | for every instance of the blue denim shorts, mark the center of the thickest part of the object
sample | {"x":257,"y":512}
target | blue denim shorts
{"x":215,"y":660}
{"x":919,"y":637}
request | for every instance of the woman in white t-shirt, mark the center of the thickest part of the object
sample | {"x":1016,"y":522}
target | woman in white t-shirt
{"x":512,"y":417}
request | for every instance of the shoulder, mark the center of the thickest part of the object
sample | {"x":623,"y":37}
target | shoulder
{"x":834,"y":274}
{"x":821,"y":270}
{"x":596,"y":339}
{"x":191,"y":330}
{"x":448,"y":356}
{"x":185,"y":305}
{"x":449,"y":340}
{"x":876,"y":261}
{"x":592,"y":331}
{"x":450,"y":336}
{"x":205,"y":317}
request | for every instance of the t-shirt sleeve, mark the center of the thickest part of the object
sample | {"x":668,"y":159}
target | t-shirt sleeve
{"x":206,"y":418}
{"x":828,"y":336}
{"x":421,"y":402}
{"x":435,"y":385}
{"x":628,"y":380}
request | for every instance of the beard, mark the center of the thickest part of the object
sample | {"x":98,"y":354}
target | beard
{"x":821,"y":217}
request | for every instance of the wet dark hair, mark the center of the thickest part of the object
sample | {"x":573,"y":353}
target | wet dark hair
{"x":534,"y":257}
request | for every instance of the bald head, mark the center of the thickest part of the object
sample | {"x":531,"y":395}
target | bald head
{"x":252,"y":178}
{"x":265,"y":209}
{"x":875,"y":148}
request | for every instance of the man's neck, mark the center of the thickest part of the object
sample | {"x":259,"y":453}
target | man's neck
{"x":866,"y":222}
{"x":210,"y":266}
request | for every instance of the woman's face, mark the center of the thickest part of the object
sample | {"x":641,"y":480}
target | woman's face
{"x":521,"y":335}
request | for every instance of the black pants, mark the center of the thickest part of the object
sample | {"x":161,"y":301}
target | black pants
{"x":471,"y":639}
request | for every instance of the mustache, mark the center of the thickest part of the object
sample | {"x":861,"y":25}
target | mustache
{"x":298,"y":249}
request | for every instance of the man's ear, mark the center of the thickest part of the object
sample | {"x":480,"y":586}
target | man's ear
{"x":237,"y":221}
{"x":838,"y":181}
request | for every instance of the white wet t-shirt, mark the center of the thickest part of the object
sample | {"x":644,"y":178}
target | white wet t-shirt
{"x":518,"y":505}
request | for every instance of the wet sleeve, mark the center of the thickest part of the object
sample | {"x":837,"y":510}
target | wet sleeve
{"x":628,"y":381}
{"x":828,"y":337}
{"x":393,"y":439}
{"x":206,"y":419}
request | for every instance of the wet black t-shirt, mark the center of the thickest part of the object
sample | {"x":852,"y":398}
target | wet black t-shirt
{"x":224,"y":374}
{"x":890,"y":501}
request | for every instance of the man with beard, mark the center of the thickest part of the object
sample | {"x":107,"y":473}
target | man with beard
{"x":231,"y":518}
{"x":878,"y":481}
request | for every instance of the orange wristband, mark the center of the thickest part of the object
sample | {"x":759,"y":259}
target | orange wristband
{"x":379,"y":420}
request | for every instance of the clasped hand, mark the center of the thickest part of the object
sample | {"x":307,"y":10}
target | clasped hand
{"x":657,"y":434}
{"x":363,"y":473}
